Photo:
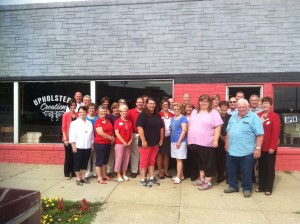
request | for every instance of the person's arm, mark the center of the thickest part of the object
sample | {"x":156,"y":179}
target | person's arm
{"x":275,"y":133}
{"x":257,"y":150}
{"x":162,"y":134}
{"x":142,"y":137}
{"x":64,"y":129}
{"x":72,"y":136}
{"x":117,"y":133}
{"x":100,"y":131}
{"x":226,"y":146}
{"x":217,"y":134}
{"x":184,"y":128}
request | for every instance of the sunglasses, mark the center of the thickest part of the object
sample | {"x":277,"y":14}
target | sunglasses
{"x":232,"y":101}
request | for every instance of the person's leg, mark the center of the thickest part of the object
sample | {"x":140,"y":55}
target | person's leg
{"x":93,"y":156}
{"x":99,"y":161}
{"x":88,"y":169}
{"x":166,"y":163}
{"x":179,"y":168}
{"x":77,"y":165}
{"x":219,"y":163}
{"x":144,"y":161}
{"x":232,"y":164}
{"x":152,"y":160}
{"x":67,"y":163}
{"x":134,"y":156}
{"x":86,"y":155}
{"x":270,"y":174}
{"x":160,"y":164}
{"x":106,"y":151}
{"x":111,"y":161}
{"x":125,"y":160}
{"x":118,"y":159}
{"x":209,"y":163}
{"x":262,"y":168}
{"x":246,"y":164}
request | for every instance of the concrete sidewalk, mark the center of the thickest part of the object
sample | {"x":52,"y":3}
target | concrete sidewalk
{"x":129,"y":202}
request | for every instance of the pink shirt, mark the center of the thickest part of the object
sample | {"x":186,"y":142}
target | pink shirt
{"x":202,"y":127}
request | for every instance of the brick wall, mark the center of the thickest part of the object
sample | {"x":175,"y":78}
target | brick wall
{"x":148,"y":38}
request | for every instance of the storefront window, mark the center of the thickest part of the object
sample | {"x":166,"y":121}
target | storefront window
{"x":129,"y":90}
{"x":42,"y":105}
{"x":287,"y":104}
{"x":6,"y":112}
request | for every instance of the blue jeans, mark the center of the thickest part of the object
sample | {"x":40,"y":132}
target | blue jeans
{"x":246,"y":164}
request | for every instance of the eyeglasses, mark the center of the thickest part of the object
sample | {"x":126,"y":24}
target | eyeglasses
{"x":232,"y":101}
{"x":121,"y":101}
{"x":176,"y":109}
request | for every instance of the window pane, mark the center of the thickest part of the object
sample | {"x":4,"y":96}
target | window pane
{"x":41,"y":108}
{"x":286,"y":104}
{"x":129,"y":90}
{"x":6,"y":111}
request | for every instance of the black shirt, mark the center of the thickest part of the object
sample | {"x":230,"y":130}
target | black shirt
{"x":151,"y":125}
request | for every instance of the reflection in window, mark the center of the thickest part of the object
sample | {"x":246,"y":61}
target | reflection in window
{"x":130,"y":90}
{"x":6,"y":112}
{"x":287,"y":105}
{"x":41,"y":108}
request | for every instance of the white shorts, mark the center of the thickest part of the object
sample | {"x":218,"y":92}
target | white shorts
{"x":179,"y":153}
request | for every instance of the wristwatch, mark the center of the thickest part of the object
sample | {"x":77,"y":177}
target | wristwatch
{"x":258,"y":147}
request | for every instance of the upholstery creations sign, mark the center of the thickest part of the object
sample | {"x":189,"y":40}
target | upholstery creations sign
{"x":53,"y":106}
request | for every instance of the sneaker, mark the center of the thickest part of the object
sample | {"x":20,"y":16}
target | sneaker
{"x":205,"y":186}
{"x":120,"y":180}
{"x":144,"y":182}
{"x":125,"y":178}
{"x":199,"y":182}
{"x":153,"y":181}
{"x":230,"y":190}
{"x":247,"y":194}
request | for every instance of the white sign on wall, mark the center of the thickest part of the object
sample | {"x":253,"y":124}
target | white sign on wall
{"x":53,"y":106}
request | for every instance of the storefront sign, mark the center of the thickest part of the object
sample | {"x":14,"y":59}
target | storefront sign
{"x":53,"y":106}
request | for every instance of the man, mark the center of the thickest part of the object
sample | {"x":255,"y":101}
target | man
{"x":243,"y":142}
{"x":134,"y":154}
{"x":254,"y":99}
{"x":232,"y":106}
{"x":186,"y":100}
{"x":78,"y":98}
{"x":239,"y":95}
{"x":171,"y":102}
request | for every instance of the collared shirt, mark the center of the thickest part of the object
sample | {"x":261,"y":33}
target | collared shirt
{"x":82,"y":133}
{"x":133,"y":116}
{"x":231,"y":112}
{"x":242,"y":134}
{"x":256,"y":110}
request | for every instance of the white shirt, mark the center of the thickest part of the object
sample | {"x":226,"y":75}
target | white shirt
{"x":82,"y":133}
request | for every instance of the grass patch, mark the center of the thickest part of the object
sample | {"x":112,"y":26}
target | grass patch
{"x":56,"y":210}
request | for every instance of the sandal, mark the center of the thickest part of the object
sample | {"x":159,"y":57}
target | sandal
{"x":268,"y":193}
{"x":120,"y":180}
{"x":177,"y":180}
{"x":101,"y":182}
{"x":168,"y":175}
{"x":85,"y":180}
{"x":79,"y":183}
{"x":107,"y":178}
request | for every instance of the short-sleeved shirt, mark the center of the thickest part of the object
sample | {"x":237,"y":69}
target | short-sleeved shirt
{"x":125,"y":130}
{"x":133,"y":115}
{"x":92,"y":120}
{"x":177,"y":128}
{"x":242,"y":134}
{"x":151,"y":125}
{"x":202,"y":127}
{"x":167,"y":122}
{"x":107,"y":128}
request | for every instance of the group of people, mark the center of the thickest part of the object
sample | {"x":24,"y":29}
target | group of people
{"x":213,"y":138}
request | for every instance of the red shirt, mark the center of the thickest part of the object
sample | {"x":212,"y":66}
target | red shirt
{"x":125,"y":129}
{"x":107,"y":128}
{"x":132,"y":116}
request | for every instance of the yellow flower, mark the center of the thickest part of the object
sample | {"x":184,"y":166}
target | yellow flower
{"x":51,"y":220}
{"x":46,"y":216}
{"x":76,"y":219}
{"x":47,"y":205}
{"x":52,"y":204}
{"x":56,"y":198}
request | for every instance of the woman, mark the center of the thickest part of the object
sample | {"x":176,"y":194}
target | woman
{"x":68,"y":117}
{"x":82,"y":140}
{"x":151,"y":135}
{"x":91,"y":107}
{"x":112,"y":117}
{"x":103,"y":140}
{"x":220,"y":150}
{"x":216,"y":100}
{"x":105,"y":103}
{"x":123,"y":131}
{"x":178,"y":141}
{"x":188,"y":108}
{"x":164,"y":149}
{"x":266,"y":163}
{"x":203,"y":134}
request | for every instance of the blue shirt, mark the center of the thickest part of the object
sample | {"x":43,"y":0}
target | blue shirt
{"x":242,"y":134}
{"x":92,"y":120}
{"x":176,"y":128}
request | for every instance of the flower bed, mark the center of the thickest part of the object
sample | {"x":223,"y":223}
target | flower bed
{"x":56,"y":210}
